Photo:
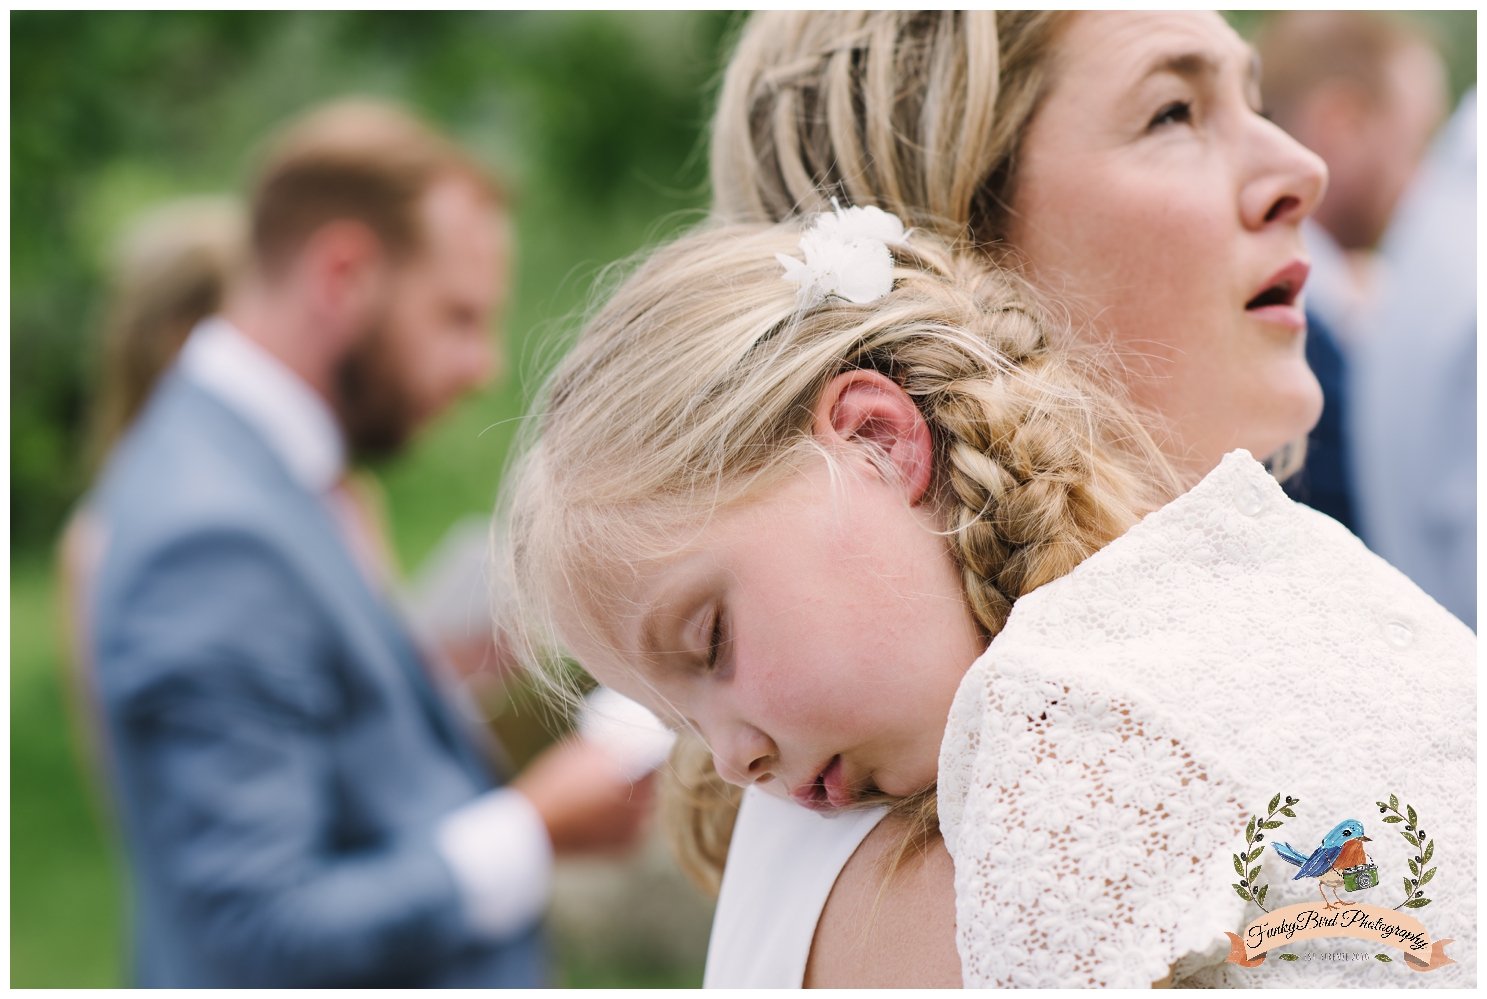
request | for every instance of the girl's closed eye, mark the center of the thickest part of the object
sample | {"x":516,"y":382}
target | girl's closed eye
{"x":717,"y":639}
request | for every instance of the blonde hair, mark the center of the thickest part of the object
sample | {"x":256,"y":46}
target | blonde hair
{"x":694,"y":387}
{"x":921,"y":113}
{"x":171,"y":268}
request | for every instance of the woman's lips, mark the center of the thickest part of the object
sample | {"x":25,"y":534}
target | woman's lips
{"x":1279,"y":300}
{"x":827,"y":792}
{"x":1281,"y":315}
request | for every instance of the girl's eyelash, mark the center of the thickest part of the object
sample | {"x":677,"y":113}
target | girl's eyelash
{"x":1176,"y":112}
{"x":715,"y":641}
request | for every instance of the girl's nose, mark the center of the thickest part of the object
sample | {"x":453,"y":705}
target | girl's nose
{"x":1286,"y":183}
{"x":743,"y":755}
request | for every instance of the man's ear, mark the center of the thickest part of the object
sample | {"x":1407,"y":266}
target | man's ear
{"x":864,"y":407}
{"x":343,"y":267}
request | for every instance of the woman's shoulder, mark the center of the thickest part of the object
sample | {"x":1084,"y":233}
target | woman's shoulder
{"x":1225,"y":618}
{"x":890,"y":919}
{"x":1232,"y":567}
{"x":782,"y":864}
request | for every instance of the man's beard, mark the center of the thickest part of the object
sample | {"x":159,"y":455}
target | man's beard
{"x":373,"y":403}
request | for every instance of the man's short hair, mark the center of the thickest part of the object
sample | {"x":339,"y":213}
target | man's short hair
{"x":363,"y":160}
{"x":1300,"y":50}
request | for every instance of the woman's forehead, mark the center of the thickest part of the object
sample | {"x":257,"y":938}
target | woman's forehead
{"x":1124,"y":48}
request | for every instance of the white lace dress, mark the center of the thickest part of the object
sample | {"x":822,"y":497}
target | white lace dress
{"x":1103,"y":756}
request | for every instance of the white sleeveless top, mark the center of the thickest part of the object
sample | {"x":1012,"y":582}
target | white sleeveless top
{"x":1103,"y":757}
{"x":782,"y":864}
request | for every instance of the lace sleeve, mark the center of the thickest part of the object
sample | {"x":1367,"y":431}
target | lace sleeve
{"x":1085,"y":844}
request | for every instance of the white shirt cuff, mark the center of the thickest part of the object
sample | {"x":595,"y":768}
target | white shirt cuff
{"x":636,"y":740}
{"x":501,"y":856}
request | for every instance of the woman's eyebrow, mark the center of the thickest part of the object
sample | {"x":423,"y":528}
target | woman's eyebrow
{"x":1189,"y":65}
{"x":1202,"y":65}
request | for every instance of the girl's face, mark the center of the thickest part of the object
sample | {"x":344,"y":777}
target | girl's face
{"x":1157,"y":202}
{"x":814,"y":637}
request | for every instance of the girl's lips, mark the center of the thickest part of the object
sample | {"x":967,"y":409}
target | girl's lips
{"x":827,"y":792}
{"x":835,"y":782}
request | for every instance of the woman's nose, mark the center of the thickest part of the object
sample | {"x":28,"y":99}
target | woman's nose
{"x":1287,"y":180}
{"x":744,"y":755}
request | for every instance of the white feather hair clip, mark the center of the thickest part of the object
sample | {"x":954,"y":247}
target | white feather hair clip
{"x":846,"y":256}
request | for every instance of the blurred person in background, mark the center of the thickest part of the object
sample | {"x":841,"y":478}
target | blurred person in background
{"x":170,"y":269}
{"x":1414,"y":380}
{"x":1365,"y":92}
{"x":300,"y":802}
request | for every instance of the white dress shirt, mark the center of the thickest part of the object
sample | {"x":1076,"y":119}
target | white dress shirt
{"x":496,"y":845}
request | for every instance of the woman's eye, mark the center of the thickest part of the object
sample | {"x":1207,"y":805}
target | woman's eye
{"x":1176,"y":113}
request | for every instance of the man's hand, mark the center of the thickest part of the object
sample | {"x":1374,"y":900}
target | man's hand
{"x":587,"y":803}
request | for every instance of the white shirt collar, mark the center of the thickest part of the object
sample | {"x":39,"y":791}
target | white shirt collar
{"x":292,"y":418}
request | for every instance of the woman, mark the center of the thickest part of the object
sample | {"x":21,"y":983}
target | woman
{"x":171,"y":269}
{"x":1121,"y":161}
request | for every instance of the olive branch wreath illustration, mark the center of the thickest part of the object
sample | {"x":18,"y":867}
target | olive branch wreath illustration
{"x":1250,"y":889}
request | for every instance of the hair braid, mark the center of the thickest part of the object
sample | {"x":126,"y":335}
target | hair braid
{"x":1027,"y":484}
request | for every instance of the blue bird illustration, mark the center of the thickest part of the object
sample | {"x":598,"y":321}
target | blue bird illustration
{"x":1341,"y":848}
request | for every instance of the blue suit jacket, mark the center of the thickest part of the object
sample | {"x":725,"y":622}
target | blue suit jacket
{"x":1325,"y":483}
{"x":280,"y":756}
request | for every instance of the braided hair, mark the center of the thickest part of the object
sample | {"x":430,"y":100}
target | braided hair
{"x":918,"y":112}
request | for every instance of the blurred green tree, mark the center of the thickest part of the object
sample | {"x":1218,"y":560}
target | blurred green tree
{"x":594,"y":117}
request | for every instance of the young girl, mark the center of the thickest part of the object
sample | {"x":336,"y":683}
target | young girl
{"x":788,"y":513}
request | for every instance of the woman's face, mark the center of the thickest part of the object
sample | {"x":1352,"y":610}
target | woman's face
{"x":814,"y":637}
{"x":1156,"y":201}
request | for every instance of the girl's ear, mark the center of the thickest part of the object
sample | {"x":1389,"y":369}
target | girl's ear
{"x":864,"y":407}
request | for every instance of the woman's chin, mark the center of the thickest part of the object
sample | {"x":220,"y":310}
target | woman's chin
{"x":1283,"y":412}
{"x":1295,"y":408}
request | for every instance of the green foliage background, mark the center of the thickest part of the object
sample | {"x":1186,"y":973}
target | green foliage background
{"x":595,"y":118}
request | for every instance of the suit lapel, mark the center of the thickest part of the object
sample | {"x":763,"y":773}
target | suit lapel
{"x":321,"y":550}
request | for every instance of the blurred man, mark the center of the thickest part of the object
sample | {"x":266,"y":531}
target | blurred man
{"x":1414,"y":420}
{"x":1365,"y":93}
{"x":300,"y":804}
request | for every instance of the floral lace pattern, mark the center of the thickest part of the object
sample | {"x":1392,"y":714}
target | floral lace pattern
{"x":1102,"y":757}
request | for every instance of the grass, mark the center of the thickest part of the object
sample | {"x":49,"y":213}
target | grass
{"x":66,"y":927}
